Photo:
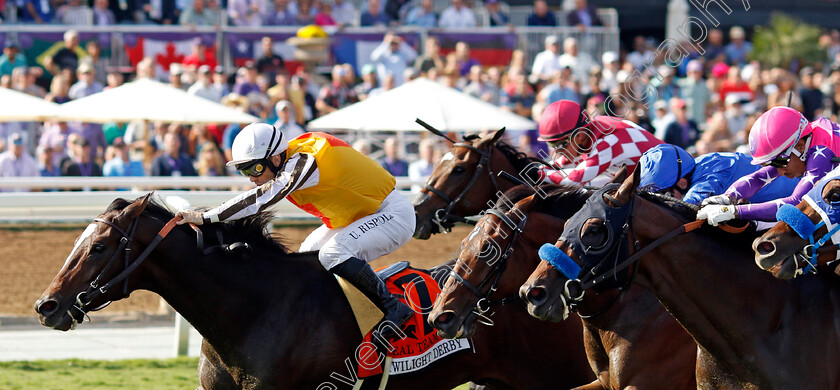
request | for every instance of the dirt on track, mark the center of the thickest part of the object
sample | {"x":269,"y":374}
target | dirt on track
{"x":30,"y":258}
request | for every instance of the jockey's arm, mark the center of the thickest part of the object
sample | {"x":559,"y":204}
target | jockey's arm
{"x":298,"y":173}
{"x":587,"y":169}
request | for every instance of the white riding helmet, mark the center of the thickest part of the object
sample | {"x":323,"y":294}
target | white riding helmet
{"x":257,"y":141}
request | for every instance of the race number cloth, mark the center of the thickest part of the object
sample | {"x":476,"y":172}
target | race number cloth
{"x":616,"y":142}
{"x":422,"y":346}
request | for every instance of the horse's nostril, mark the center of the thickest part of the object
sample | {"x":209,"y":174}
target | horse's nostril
{"x":536,"y":295}
{"x":443,"y":319}
{"x":47,"y":307}
{"x":766,"y":247}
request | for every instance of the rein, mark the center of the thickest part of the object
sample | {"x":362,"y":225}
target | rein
{"x":84,"y":298}
{"x":485,"y":304}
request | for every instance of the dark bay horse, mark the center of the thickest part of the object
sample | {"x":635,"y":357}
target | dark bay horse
{"x":753,"y":330}
{"x":270,"y":319}
{"x":465,"y":181}
{"x":785,"y":253}
{"x":500,"y":254}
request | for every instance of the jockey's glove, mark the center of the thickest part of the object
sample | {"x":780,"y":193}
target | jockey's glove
{"x":717,"y":199}
{"x":190,"y":216}
{"x":715,"y":214}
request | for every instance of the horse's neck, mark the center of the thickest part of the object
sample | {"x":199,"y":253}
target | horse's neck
{"x":713,"y":288}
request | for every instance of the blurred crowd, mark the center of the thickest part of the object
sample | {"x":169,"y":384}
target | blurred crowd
{"x":254,"y":13}
{"x":706,"y":103}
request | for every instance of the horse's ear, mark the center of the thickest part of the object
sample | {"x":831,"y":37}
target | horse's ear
{"x":628,"y":187}
{"x":526,"y":204}
{"x":135,"y":208}
{"x":498,"y":135}
{"x":620,"y":175}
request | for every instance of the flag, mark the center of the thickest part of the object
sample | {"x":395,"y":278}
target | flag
{"x":246,"y":47}
{"x":355,"y":48}
{"x":165,"y":48}
{"x":38,"y":46}
{"x":488,"y":48}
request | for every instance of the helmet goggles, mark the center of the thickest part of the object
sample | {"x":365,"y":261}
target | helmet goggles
{"x":253,"y":168}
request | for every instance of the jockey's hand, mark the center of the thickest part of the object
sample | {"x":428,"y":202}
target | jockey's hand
{"x":715,"y":214}
{"x":717,"y":199}
{"x":190,"y":216}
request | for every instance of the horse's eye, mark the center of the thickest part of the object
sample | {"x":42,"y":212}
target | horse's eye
{"x":99,"y":248}
{"x":458,"y":169}
{"x":833,"y":197}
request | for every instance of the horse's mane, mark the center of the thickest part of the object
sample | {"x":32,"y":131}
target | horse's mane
{"x":251,"y":229}
{"x":561,"y":200}
{"x":518,"y":159}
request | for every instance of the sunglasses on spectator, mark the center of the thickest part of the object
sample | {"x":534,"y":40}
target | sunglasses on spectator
{"x":252,"y":168}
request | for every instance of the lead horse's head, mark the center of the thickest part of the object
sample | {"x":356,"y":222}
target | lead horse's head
{"x":797,"y":244}
{"x":94,"y":274}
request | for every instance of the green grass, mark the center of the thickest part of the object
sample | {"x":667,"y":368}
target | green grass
{"x":75,"y":374}
{"x":174,"y":374}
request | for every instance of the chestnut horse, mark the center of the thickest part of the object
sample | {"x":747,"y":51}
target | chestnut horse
{"x":754,"y":331}
{"x":659,"y":355}
{"x":466,"y":181}
{"x":270,"y":319}
{"x":785,"y":253}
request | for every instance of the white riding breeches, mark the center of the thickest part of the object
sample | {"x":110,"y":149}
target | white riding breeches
{"x":367,"y":238}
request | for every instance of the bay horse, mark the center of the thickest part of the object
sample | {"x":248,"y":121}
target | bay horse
{"x":466,"y":180}
{"x":622,"y":354}
{"x":270,"y":319}
{"x":786,"y":252}
{"x":753,"y":330}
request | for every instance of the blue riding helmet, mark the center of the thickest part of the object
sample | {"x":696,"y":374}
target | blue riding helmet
{"x":663,"y":165}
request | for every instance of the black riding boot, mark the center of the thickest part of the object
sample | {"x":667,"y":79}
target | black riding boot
{"x":360,"y":275}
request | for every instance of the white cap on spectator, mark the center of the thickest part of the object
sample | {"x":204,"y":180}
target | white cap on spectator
{"x":551,"y":40}
{"x":622,"y":76}
{"x":736,"y":32}
{"x":609,"y":57}
{"x":665,"y":70}
{"x":660,"y":105}
{"x":175,"y":68}
{"x":732,"y":99}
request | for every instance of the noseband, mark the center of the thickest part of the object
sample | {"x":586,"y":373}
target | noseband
{"x":484,"y":303}
{"x":95,"y":289}
{"x":444,"y":217}
{"x":802,"y":225}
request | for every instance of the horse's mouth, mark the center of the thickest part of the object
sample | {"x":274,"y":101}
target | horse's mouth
{"x":465,"y":330}
{"x":424,"y":230}
{"x":59,"y":321}
{"x":784,"y":269}
{"x":554,"y":310}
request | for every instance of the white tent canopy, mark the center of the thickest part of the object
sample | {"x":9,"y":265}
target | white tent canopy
{"x":444,"y":108}
{"x":19,"y":106}
{"x":150,"y":100}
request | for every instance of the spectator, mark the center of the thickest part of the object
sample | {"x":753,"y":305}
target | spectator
{"x":387,"y":85}
{"x":94,"y":58}
{"x":463,"y":61}
{"x":66,"y":57}
{"x":422,"y":15}
{"x":717,"y":137}
{"x":74,"y":13}
{"x":81,"y":163}
{"x":392,"y":56}
{"x":734,"y":84}
{"x":17,"y":162}
{"x":580,"y":62}
{"x":247,"y":80}
{"x":59,"y":90}
{"x":38,"y":11}
{"x":562,"y":88}
{"x":736,"y":119}
{"x":391,"y":162}
{"x":324,"y":15}
{"x":269,"y":63}
{"x":714,"y":49}
{"x":121,"y":164}
{"x":304,"y":13}
{"x":368,"y":83}
{"x":303,"y":100}
{"x":210,"y":162}
{"x":682,"y":131}
{"x":695,"y":91}
{"x":812,"y":97}
{"x":661,"y":118}
{"x":115,"y":79}
{"x":248,"y":13}
{"x":197,"y":15}
{"x":204,"y":87}
{"x":159,"y":11}
{"x":337,"y":94}
{"x":46,"y":166}
{"x":541,"y":16}
{"x":431,"y":57}
{"x":172,"y":162}
{"x":521,"y":97}
{"x":583,"y":16}
{"x":666,"y":89}
{"x":421,"y":169}
{"x":476,"y":87}
{"x":457,"y":15}
{"x":641,"y":52}
{"x":87,"y":84}
{"x":281,"y":15}
{"x":546,"y":63}
{"x":55,"y":137}
{"x":285,"y":120}
{"x":199,"y":56}
{"x":220,"y":80}
{"x":395,"y":9}
{"x":610,"y":67}
{"x":374,"y":16}
{"x":12,"y":58}
{"x":362,"y":146}
{"x":497,"y":17}
{"x":176,"y":71}
{"x":494,"y":83}
{"x":102,"y":16}
{"x":343,"y":12}
{"x":738,"y":49}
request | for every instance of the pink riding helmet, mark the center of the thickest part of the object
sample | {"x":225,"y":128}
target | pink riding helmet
{"x":775,"y":133}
